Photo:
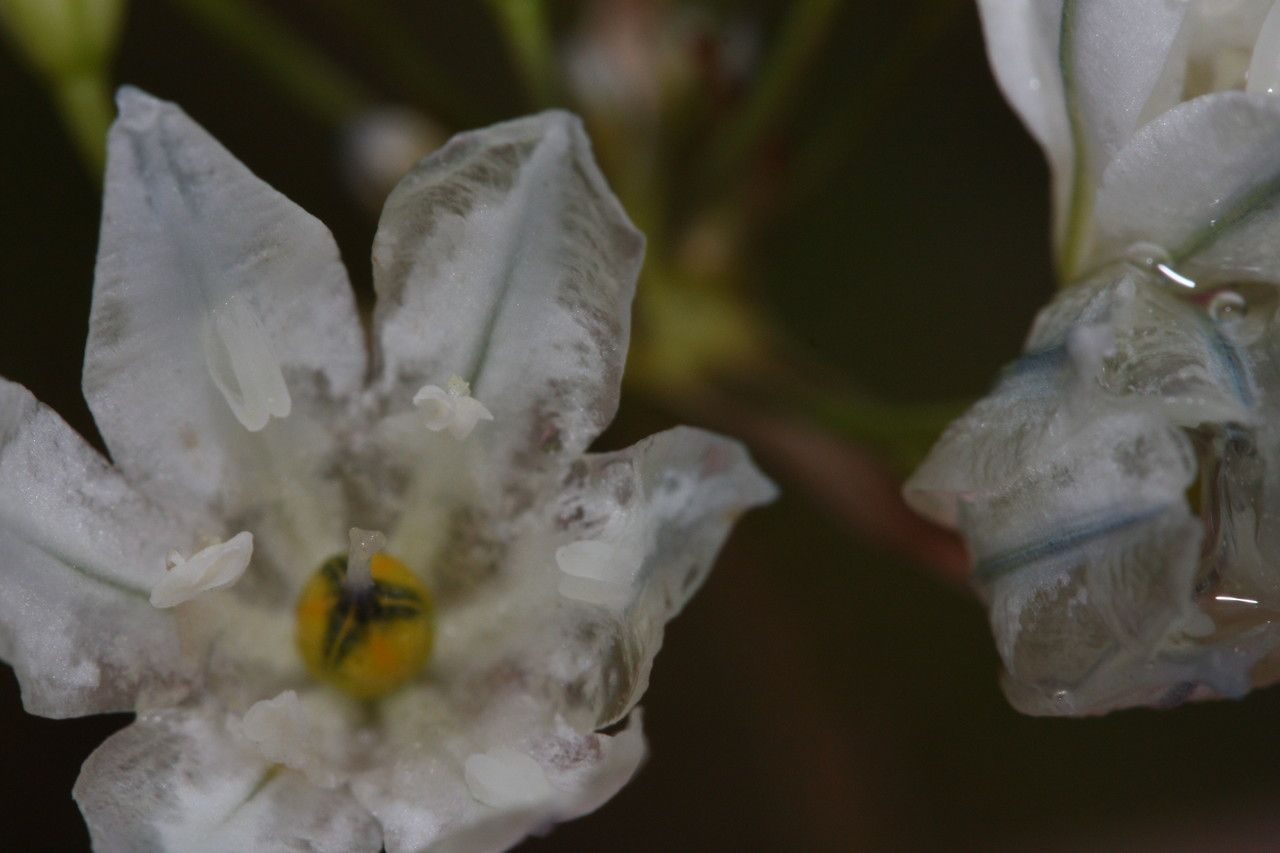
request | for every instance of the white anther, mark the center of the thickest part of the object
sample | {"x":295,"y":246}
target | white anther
{"x":453,"y":408}
{"x":284,"y":730}
{"x":597,"y":571}
{"x":505,"y":778}
{"x":363,"y":544}
{"x":241,"y":363}
{"x":215,"y":567}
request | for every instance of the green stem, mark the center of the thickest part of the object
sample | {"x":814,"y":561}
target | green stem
{"x":84,"y":103}
{"x":802,"y":34}
{"x":905,"y":432}
{"x":528,"y":35}
{"x":301,"y":72}
{"x":828,"y":148}
{"x":1079,"y":208}
{"x":406,"y":63}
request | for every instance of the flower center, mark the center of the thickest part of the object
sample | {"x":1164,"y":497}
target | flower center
{"x":364,"y":621}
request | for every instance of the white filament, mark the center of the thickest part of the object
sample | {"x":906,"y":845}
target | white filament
{"x":215,"y":567}
{"x":505,"y":778}
{"x":1264,"y":68}
{"x":241,"y":363}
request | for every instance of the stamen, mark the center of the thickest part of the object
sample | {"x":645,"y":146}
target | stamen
{"x":505,"y":778}
{"x":598,"y":572}
{"x":242,"y":365}
{"x":363,"y":545}
{"x":453,"y":408}
{"x":215,"y":567}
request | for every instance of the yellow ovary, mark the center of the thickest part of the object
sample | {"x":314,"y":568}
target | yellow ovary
{"x":365,"y":641}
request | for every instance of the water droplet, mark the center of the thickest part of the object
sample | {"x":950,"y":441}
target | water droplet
{"x":1146,"y":255}
{"x":1154,"y":258}
{"x":1227,"y":306}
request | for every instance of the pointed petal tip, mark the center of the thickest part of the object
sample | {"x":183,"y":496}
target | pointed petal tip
{"x":137,"y":107}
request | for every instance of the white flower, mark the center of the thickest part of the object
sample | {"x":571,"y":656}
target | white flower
{"x":1093,"y":78}
{"x":1152,"y":377}
{"x":227,"y":372}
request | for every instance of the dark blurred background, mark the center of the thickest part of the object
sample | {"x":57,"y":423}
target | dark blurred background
{"x":818,"y":694}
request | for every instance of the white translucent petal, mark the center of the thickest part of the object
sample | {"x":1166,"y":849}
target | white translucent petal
{"x":1264,"y":66}
{"x":662,"y":508}
{"x":1203,"y":181}
{"x":1069,"y":484}
{"x":505,"y":258}
{"x":479,"y":771}
{"x":78,"y":549}
{"x":215,"y":567}
{"x":218,"y":304}
{"x":247,"y":646}
{"x":1083,"y":75}
{"x":1105,"y":621}
{"x":1163,"y":363}
{"x":179,"y":780}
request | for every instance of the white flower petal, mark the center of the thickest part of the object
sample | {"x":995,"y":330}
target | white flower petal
{"x":218,"y":304}
{"x":665,"y":505}
{"x":662,"y":509}
{"x":1203,"y":182}
{"x":77,"y":547}
{"x":1083,"y":104}
{"x":180,"y":781}
{"x":505,"y":257}
{"x":1263,"y":76}
{"x":1164,"y":358}
{"x":435,"y":760}
{"x":215,"y":567}
{"x":246,"y":643}
{"x":1101,"y":620}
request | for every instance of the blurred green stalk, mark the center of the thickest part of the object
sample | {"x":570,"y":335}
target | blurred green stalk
{"x":528,"y":35}
{"x":802,"y":35}
{"x":301,"y":72}
{"x":71,"y":44}
{"x":405,"y":62}
{"x":821,"y":153}
{"x":87,"y":110}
